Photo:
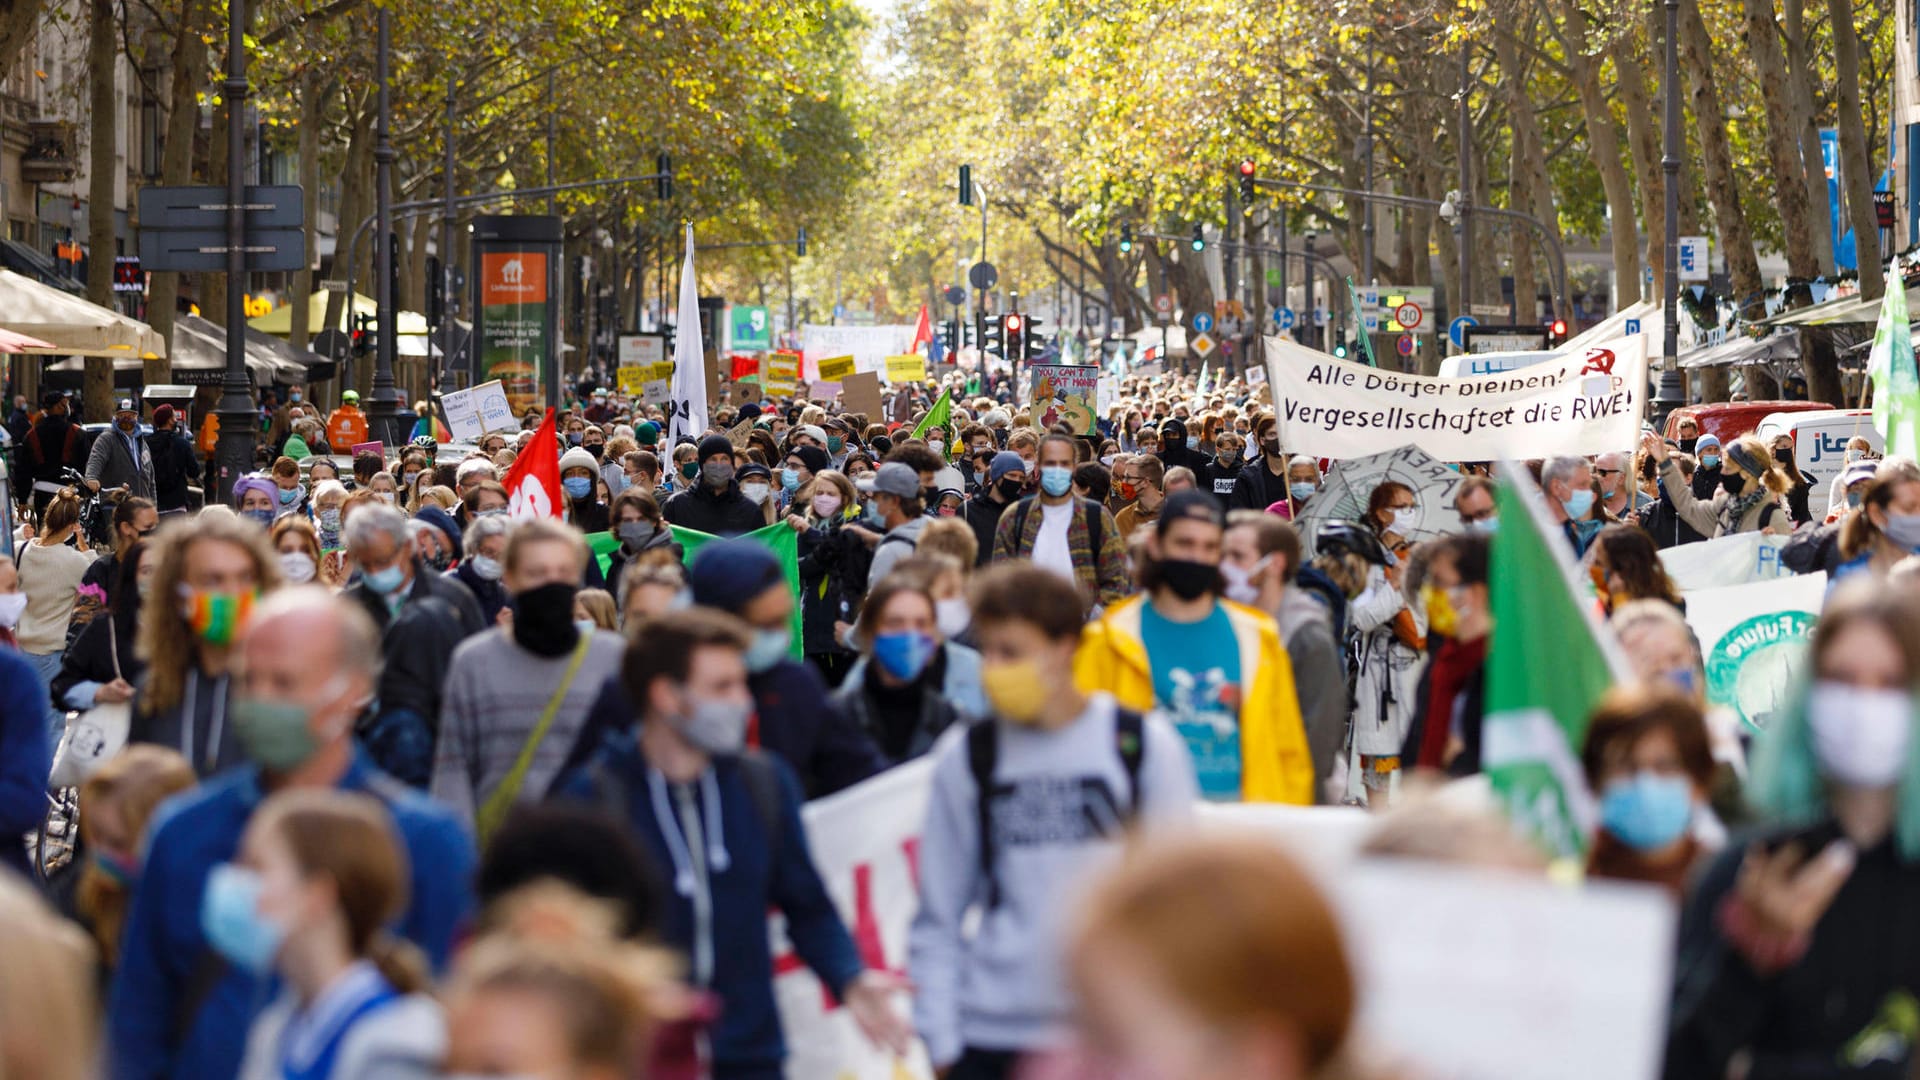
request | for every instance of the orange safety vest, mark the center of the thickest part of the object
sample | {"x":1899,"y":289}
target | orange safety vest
{"x":347,"y":427}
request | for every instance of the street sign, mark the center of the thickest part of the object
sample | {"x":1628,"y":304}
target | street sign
{"x":1320,"y":316}
{"x":1163,"y":304}
{"x":205,"y":250}
{"x":955,"y":294}
{"x":333,"y":285}
{"x":277,"y":206}
{"x":1883,"y":209}
{"x":638,"y":350}
{"x":1382,"y":305}
{"x":839,"y":311}
{"x":1284,"y":318}
{"x":1456,"y":330}
{"x":1633,"y":326}
{"x":1202,"y":322}
{"x":1404,"y":345}
{"x":982,"y":275}
{"x":1200,"y":345}
{"x":1491,"y":311}
{"x":1693,"y":259}
{"x":1495,"y":339}
{"x":1408,"y":314}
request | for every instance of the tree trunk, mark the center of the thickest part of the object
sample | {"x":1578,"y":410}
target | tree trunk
{"x":1807,"y":132}
{"x":102,"y":164}
{"x":1856,"y":172}
{"x":1643,"y":141}
{"x":16,"y":29}
{"x":1603,"y":141}
{"x":1783,"y":148}
{"x":189,"y":63}
{"x":1527,"y":157}
{"x":356,"y":199}
{"x":1730,"y":222}
{"x":309,"y":153}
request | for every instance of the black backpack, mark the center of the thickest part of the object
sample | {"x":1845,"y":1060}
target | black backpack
{"x":983,"y":753}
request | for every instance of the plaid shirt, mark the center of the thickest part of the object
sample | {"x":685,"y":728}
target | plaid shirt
{"x":1103,"y":574}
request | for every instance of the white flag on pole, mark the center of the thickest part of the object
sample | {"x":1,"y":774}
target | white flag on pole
{"x":689,"y":403}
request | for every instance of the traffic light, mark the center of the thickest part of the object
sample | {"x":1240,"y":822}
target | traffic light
{"x":966,"y":185}
{"x":994,"y":342}
{"x":1013,"y":326}
{"x":800,"y":245}
{"x":663,"y":183}
{"x":1556,"y":331}
{"x":1246,"y":183}
{"x":950,"y":335}
{"x":1199,"y":239}
{"x":436,"y":308}
{"x":1036,"y":341}
{"x":365,"y":327}
{"x":1126,"y":239}
{"x":1340,"y":344}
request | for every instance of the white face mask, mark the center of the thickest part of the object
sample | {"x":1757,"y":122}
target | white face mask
{"x":952,"y":615}
{"x":485,"y":568}
{"x":755,"y":493}
{"x":12,"y":605}
{"x":297,"y":565}
{"x":1241,"y":588}
{"x":1404,"y":519}
{"x":1860,"y":736}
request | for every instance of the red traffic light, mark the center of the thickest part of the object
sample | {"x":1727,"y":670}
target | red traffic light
{"x":1013,"y":324}
{"x":1246,"y":168}
{"x":1559,"y":328}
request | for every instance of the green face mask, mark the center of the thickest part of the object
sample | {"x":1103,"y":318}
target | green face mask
{"x":274,"y":733}
{"x":690,"y":469}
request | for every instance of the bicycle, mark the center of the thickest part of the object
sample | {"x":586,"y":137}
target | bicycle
{"x":96,"y":508}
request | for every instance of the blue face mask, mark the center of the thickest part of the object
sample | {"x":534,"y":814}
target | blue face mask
{"x":1486,"y":526}
{"x":260,"y":514}
{"x":1709,"y":461}
{"x":230,"y":917}
{"x":903,"y":655}
{"x":768,"y":648}
{"x":1853,"y":499}
{"x":1580,"y":502}
{"x":385,"y":581}
{"x":1193,"y":442}
{"x":1647,"y":811}
{"x":1055,"y":480}
{"x":1682,"y":678}
{"x":578,"y":487}
{"x":789,"y":479}
{"x":1302,"y":490}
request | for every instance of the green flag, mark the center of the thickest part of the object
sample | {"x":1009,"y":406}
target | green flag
{"x":1360,"y":324}
{"x":1896,"y":386}
{"x":603,"y":545}
{"x":940,"y":417}
{"x":785,"y":544}
{"x":1200,"y":386}
{"x":1547,"y":664}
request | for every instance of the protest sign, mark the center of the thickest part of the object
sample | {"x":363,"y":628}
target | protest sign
{"x":1729,"y":560}
{"x":745,"y":392}
{"x":377,"y":449}
{"x":837,"y":368}
{"x":473,"y":412}
{"x":1754,"y":638}
{"x":868,"y":345}
{"x":1064,"y":392}
{"x":1587,"y":403}
{"x":860,"y":393}
{"x":780,"y":372}
{"x":911,"y":368}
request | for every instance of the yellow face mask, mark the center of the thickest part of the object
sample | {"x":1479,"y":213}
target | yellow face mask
{"x":1441,"y":618}
{"x":1015,"y":690}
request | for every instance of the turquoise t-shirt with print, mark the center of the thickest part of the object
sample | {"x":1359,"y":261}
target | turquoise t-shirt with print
{"x":1196,"y":684}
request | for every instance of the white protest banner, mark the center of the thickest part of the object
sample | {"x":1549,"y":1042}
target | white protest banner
{"x":868,"y":345}
{"x":1754,"y":640}
{"x":1587,"y":403}
{"x":866,"y":845}
{"x":1729,"y":560}
{"x":473,"y":412}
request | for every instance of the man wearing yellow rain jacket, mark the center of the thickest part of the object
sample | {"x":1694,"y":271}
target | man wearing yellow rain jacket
{"x":1216,"y":668}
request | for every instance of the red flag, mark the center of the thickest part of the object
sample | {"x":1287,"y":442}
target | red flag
{"x":922,"y":331}
{"x":533,"y":483}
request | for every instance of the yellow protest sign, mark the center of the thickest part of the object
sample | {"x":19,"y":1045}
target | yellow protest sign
{"x":780,"y":372}
{"x":911,"y":368}
{"x":835,"y":368}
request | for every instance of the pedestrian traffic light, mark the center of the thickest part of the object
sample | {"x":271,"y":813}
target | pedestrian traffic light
{"x":1199,"y":239}
{"x":1126,"y":239}
{"x":1246,"y":183}
{"x":1340,"y":344}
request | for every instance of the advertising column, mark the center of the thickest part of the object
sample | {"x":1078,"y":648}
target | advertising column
{"x":516,"y":307}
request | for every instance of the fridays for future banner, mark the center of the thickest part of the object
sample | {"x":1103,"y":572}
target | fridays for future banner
{"x":1587,"y":403}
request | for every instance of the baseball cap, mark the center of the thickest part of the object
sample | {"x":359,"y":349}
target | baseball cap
{"x":1190,"y":505}
{"x":125,"y":404}
{"x":892,"y":478}
{"x":1858,"y":471}
{"x":814,"y":432}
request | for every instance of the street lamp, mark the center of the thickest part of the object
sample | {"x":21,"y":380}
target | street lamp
{"x":1672,"y":392}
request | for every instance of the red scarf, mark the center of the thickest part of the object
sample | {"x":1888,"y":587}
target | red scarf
{"x":1452,"y":665}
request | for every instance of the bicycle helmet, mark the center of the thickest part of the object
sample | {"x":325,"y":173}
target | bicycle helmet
{"x":1351,"y":538}
{"x":425,"y":442}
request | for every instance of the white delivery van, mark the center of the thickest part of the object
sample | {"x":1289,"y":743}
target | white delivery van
{"x":1493,"y":363}
{"x":1820,"y":439}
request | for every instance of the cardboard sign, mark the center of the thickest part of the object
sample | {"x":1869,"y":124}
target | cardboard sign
{"x":860,"y":392}
{"x":633,"y":378}
{"x":477,"y":410}
{"x":1064,"y":392}
{"x":744,"y":392}
{"x":377,"y":449}
{"x":780,"y":372}
{"x":907,"y":369}
{"x":836,"y":368}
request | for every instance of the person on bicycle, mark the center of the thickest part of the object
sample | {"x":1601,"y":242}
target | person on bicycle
{"x":55,"y":443}
{"x":120,"y":458}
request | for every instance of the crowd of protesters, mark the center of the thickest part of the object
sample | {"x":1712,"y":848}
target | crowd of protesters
{"x":370,"y":772}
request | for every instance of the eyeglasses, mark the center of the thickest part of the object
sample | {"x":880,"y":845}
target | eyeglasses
{"x":1608,"y":472}
{"x":1482,"y":515}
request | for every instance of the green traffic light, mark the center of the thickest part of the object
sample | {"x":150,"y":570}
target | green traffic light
{"x":1340,"y":352}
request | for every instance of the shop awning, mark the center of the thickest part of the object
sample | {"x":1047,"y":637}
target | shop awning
{"x":1847,"y":309}
{"x":74,"y":326}
{"x":22,"y":259}
{"x":1745,"y":351}
{"x":279,"y":321}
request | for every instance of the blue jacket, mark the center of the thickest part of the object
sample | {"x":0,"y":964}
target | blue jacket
{"x":26,"y":756}
{"x":793,"y":717}
{"x":961,"y":684}
{"x":747,"y":1040}
{"x":163,"y":948}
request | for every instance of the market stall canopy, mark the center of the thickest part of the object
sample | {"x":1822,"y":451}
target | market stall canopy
{"x":200,"y":356}
{"x":11,"y":342}
{"x":1847,"y":309}
{"x":279,"y":321}
{"x":74,"y":326}
{"x":1744,"y":351}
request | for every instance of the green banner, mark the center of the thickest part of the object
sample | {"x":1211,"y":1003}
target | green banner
{"x":781,"y":539}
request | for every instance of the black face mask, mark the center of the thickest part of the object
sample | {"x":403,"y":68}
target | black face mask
{"x":543,"y":619}
{"x":1784,"y":455}
{"x":596,"y":449}
{"x":1733,"y":483}
{"x":929,"y":497}
{"x":1687,"y":445}
{"x":1189,"y":580}
{"x":1009,"y":489}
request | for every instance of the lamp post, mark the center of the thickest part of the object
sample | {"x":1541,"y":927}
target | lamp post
{"x":383,"y":406}
{"x":1672,"y":392}
{"x":1463,"y":226}
{"x":238,"y":423}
